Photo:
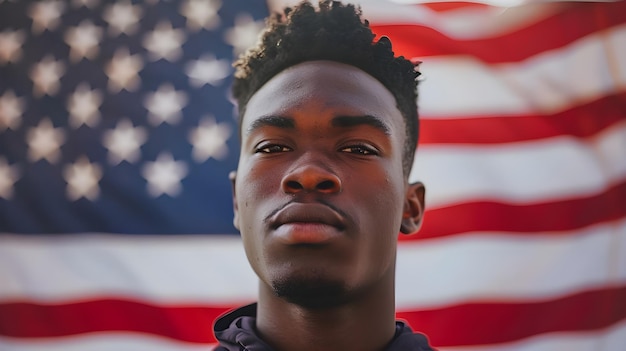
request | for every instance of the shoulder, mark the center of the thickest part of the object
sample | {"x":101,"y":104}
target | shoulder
{"x":236,"y":331}
{"x":405,"y":339}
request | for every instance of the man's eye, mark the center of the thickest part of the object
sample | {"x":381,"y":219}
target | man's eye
{"x":360,"y":150}
{"x":269,"y":149}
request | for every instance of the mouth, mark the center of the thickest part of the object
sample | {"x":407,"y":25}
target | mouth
{"x":307,"y":223}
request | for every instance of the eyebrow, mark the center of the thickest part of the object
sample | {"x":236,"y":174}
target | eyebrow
{"x":339,"y":121}
{"x":272,"y":121}
{"x":353,"y":121}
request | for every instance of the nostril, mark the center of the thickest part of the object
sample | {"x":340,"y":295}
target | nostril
{"x":326,"y":185}
{"x":310,"y":179}
{"x":292,"y":184}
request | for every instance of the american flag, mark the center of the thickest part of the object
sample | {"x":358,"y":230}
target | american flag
{"x":117,"y":133}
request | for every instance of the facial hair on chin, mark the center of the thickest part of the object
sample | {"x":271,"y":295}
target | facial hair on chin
{"x":311,"y":292}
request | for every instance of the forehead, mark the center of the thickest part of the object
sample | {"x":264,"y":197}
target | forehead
{"x":326,"y":88}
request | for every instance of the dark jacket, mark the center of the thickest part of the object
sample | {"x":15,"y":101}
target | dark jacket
{"x":236,"y":331}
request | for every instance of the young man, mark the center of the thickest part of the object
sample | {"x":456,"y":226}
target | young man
{"x":328,"y":124}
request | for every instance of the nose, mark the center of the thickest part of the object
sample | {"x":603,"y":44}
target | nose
{"x":311,"y":177}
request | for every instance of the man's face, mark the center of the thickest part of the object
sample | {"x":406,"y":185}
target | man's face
{"x":320,"y":193}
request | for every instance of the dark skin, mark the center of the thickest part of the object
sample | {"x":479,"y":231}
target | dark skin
{"x":319,"y":197}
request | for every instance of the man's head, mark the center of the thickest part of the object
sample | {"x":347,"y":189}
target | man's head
{"x":334,"y":32}
{"x":321,"y":189}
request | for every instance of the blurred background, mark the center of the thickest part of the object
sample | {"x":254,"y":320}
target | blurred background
{"x":117,"y":133}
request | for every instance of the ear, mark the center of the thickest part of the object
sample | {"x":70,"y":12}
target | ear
{"x":413,"y":208}
{"x":232,"y":176}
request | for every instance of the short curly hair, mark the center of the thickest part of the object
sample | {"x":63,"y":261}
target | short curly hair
{"x":334,"y":32}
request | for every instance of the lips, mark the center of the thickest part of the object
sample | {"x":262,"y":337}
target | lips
{"x":307,"y":223}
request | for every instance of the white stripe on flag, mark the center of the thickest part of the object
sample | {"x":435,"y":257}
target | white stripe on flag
{"x":522,"y":172}
{"x":545,"y":83}
{"x":209,"y":270}
{"x":609,"y":339}
{"x":500,"y":267}
{"x":105,"y":341}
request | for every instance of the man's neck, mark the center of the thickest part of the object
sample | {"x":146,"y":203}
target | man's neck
{"x":367,"y":324}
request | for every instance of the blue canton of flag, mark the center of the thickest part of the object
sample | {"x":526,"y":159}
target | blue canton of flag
{"x":115,"y":116}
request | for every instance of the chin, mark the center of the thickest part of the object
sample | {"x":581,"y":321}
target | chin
{"x":313,"y":292}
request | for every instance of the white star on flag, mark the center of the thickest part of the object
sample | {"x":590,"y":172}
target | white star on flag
{"x":165,"y":105}
{"x":46,"y":75}
{"x":11,"y":108}
{"x":122,"y":17}
{"x":83,"y":106}
{"x":44,"y":142}
{"x":124,"y":142}
{"x":207,"y":70}
{"x":8,"y":176}
{"x":83,"y":40}
{"x":201,"y":14}
{"x":82,"y":179}
{"x":209,"y":140}
{"x":244,"y":34}
{"x":123,"y":71}
{"x":46,"y":15}
{"x":164,"y":42}
{"x":11,"y":45}
{"x":164,"y":175}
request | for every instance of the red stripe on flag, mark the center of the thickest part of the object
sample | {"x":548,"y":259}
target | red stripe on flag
{"x":490,"y":323}
{"x":412,"y":40}
{"x":467,"y":324}
{"x":488,"y":216}
{"x":581,"y":121}
{"x":453,"y":5}
{"x":32,"y":320}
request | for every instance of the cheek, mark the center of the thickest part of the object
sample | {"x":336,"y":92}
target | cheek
{"x":253,"y":188}
{"x":257,"y":179}
{"x":386,"y":216}
{"x":379,"y":254}
{"x":250,"y":188}
{"x":387,"y":196}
